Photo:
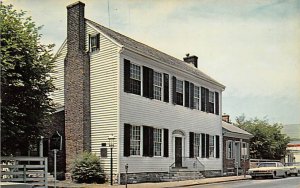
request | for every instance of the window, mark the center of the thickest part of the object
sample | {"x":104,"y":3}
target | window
{"x":211,"y":100}
{"x":196,"y":98}
{"x":94,"y":42}
{"x":135,"y":79}
{"x":229,"y":149}
{"x":157,"y":139}
{"x":135,"y":140}
{"x":179,"y":92}
{"x":211,"y":146}
{"x":157,"y":85}
{"x":197,"y":145}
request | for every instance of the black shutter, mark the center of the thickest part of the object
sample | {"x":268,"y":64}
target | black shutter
{"x":146,"y":143}
{"x":127,"y":140}
{"x":166,"y":87}
{"x":127,"y":76}
{"x":150,"y":78}
{"x":207,"y":145}
{"x":203,"y":99}
{"x":151,"y":144}
{"x":98,"y":41}
{"x":207,"y":109}
{"x":186,"y":94}
{"x":191,"y":145}
{"x":217,"y":102}
{"x":89,"y":42}
{"x":174,"y":90}
{"x":145,"y":81}
{"x":192,"y":95}
{"x":166,"y":143}
{"x":202,"y":145}
{"x":217,"y":146}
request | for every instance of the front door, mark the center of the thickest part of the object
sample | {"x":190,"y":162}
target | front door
{"x":178,"y":152}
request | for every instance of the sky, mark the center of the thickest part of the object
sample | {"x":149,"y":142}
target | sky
{"x":251,"y":46}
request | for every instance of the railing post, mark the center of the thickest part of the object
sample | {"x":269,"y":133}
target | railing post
{"x":46,"y":171}
{"x":24,"y":173}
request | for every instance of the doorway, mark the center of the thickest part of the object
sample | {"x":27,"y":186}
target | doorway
{"x":178,"y":152}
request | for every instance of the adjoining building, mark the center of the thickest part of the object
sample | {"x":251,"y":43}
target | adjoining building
{"x":164,"y":113}
{"x":235,"y":147}
{"x":293,"y":149}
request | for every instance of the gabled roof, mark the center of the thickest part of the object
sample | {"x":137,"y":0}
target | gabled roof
{"x":227,"y":127}
{"x":146,"y":50}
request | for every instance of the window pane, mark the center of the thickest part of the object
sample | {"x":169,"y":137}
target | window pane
{"x":196,"y":145}
{"x":196,"y":97}
{"x":211,"y":146}
{"x":135,"y":139}
{"x":157,"y":133}
{"x":157,"y":82}
{"x":135,"y":79}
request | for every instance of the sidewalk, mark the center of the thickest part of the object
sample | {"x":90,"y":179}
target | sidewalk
{"x":64,"y":184}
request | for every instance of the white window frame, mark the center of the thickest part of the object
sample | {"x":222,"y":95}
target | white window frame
{"x":179,"y":83}
{"x":197,"y":98}
{"x":133,"y":140}
{"x":156,"y":133}
{"x":157,"y":85}
{"x":197,"y":145}
{"x":212,"y":147}
{"x":229,"y":153}
{"x":134,"y":69}
{"x":93,"y":39}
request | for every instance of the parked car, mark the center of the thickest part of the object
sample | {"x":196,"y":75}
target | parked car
{"x":269,"y":169}
{"x":294,"y":168}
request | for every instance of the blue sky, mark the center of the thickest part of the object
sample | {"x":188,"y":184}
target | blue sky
{"x":250,"y":46}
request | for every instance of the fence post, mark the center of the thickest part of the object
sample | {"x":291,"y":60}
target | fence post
{"x":46,"y":171}
{"x":24,"y":173}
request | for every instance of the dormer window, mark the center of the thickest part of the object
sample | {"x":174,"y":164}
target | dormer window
{"x":94,"y":42}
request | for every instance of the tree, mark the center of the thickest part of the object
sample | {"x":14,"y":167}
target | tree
{"x":268,"y":141}
{"x":26,"y":65}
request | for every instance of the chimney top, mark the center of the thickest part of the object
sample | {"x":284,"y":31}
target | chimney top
{"x":75,"y":4}
{"x":191,"y":59}
{"x":226,"y":118}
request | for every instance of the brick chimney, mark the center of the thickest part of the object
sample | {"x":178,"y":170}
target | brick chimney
{"x":191,"y":60}
{"x":225,"y":118}
{"x":77,"y":86}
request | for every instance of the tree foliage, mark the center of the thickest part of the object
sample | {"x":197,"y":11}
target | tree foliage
{"x":87,"y":169}
{"x":26,"y":65}
{"x":268,"y":141}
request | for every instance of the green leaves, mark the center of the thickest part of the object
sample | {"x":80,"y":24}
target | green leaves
{"x":26,"y":65}
{"x":268,"y":141}
{"x":87,"y":169}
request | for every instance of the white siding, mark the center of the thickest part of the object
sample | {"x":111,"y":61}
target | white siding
{"x":104,"y":96}
{"x":58,"y":95}
{"x":138,"y":110}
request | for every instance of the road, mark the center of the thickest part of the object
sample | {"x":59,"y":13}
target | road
{"x":290,"y":182}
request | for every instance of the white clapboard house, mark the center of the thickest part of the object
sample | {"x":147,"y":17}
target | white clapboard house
{"x":164,"y":112}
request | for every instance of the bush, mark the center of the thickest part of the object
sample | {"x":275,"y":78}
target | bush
{"x":86,"y":169}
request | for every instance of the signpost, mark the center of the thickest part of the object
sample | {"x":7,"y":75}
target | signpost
{"x":55,"y":145}
{"x":244,"y":154}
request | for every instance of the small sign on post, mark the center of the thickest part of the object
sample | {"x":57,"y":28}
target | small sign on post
{"x":55,"y":145}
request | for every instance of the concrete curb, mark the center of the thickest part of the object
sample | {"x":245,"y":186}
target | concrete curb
{"x":205,"y":183}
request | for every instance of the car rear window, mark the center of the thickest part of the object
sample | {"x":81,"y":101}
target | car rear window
{"x":267,"y":165}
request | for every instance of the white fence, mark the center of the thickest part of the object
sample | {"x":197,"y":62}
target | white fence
{"x":31,"y":170}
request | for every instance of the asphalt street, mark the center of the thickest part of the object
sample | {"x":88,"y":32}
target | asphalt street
{"x":290,"y":182}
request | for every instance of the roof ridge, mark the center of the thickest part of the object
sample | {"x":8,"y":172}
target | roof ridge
{"x":154,"y":53}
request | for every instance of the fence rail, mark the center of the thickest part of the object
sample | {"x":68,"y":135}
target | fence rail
{"x":31,"y":170}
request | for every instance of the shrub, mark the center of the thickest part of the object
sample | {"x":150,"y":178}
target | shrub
{"x":86,"y":169}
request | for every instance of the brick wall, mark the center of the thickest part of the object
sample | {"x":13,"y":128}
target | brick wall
{"x":77,"y":86}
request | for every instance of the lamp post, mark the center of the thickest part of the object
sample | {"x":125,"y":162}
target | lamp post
{"x":126,"y":169}
{"x":111,"y":139}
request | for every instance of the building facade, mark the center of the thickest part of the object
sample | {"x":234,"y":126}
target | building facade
{"x":163,"y":112}
{"x":235,"y":147}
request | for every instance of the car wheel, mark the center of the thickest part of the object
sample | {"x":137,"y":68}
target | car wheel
{"x":274,"y":175}
{"x":285,"y":175}
{"x":253,"y":177}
